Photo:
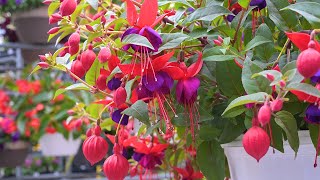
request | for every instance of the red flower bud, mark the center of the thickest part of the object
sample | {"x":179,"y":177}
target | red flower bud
{"x":270,"y":77}
{"x":74,"y":50}
{"x":116,"y":167}
{"x":54,"y":18}
{"x":89,"y":132}
{"x":104,"y":54}
{"x":43,"y":65}
{"x":120,"y":96}
{"x":220,"y":39}
{"x":256,"y":142}
{"x":74,"y":39}
{"x":264,"y":115}
{"x":99,"y":14}
{"x":276,"y":105}
{"x":47,"y":2}
{"x":53,"y":30}
{"x":282,"y":84}
{"x":95,"y":147}
{"x":90,"y":28}
{"x":42,"y":58}
{"x":103,"y":20}
{"x":87,"y":59}
{"x":101,"y":82}
{"x":308,"y":62}
{"x":217,"y":42}
{"x":77,"y":69}
{"x":67,"y":7}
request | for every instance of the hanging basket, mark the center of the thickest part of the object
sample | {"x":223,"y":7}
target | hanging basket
{"x":56,"y":145}
{"x":13,"y":154}
{"x":275,"y":166}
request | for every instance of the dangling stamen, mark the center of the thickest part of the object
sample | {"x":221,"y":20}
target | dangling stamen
{"x":191,"y":123}
{"x":164,"y":113}
{"x":170,"y":105}
{"x":317,"y":149}
{"x":259,"y":11}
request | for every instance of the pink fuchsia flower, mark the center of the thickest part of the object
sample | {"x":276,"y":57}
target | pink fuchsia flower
{"x":143,"y":24}
{"x":188,"y":172}
{"x":149,"y":155}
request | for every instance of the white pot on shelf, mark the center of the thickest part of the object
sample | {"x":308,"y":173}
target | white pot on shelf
{"x":273,"y":166}
{"x":56,"y":145}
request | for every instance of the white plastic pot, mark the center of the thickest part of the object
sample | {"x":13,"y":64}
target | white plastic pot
{"x":277,"y":166}
{"x":56,"y":145}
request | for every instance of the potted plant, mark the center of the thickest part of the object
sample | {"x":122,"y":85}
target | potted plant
{"x":43,"y":116}
{"x":14,"y":145}
{"x":26,"y":15}
{"x":197,"y":75}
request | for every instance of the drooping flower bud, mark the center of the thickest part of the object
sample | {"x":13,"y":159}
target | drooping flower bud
{"x":120,"y":96}
{"x":101,"y":82}
{"x":308,"y":62}
{"x":43,"y":65}
{"x":104,"y":54}
{"x":87,"y":58}
{"x":95,"y":147}
{"x":74,"y":50}
{"x":256,"y":142}
{"x":67,"y":7}
{"x":270,"y":77}
{"x":264,"y":114}
{"x":276,"y":105}
{"x":53,"y":30}
{"x":54,"y":18}
{"x":116,"y":167}
{"x":77,"y":69}
{"x":90,"y":28}
{"x":282,"y":84}
{"x":74,"y":39}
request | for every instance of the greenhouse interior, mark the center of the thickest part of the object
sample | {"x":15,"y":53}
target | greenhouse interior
{"x":159,"y":89}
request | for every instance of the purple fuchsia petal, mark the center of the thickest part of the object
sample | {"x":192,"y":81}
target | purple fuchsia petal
{"x":3,"y":2}
{"x":149,"y":161}
{"x":256,"y":2}
{"x":167,"y":84}
{"x":153,"y":36}
{"x":117,"y":115}
{"x":15,"y":136}
{"x":152,"y":81}
{"x":143,"y":92}
{"x":137,"y":156}
{"x":313,"y":114}
{"x":230,"y":17}
{"x":126,"y":33}
{"x":191,"y":86}
{"x":114,"y":84}
{"x":316,"y":77}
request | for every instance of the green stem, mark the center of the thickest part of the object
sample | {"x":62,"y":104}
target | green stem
{"x":281,"y":52}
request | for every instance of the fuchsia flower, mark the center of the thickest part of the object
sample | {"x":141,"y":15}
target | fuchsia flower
{"x":149,"y":154}
{"x":143,"y":24}
{"x":188,"y":172}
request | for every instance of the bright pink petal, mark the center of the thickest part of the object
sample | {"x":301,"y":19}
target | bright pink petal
{"x":111,"y":138}
{"x":132,"y":14}
{"x":130,"y":69}
{"x":301,"y":40}
{"x":140,"y":147}
{"x":182,"y":172}
{"x":197,"y":175}
{"x":159,"y":62}
{"x":148,"y":13}
{"x":174,"y":71}
{"x":104,"y":102}
{"x":158,"y":148}
{"x":113,"y":62}
{"x":194,"y":69}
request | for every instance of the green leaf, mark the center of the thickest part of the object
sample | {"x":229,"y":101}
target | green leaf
{"x":314,"y":133}
{"x":94,"y":4}
{"x":137,"y":39}
{"x":256,"y":41}
{"x":171,"y":40}
{"x":277,"y":136}
{"x":228,"y":76}
{"x":78,"y":86}
{"x":251,"y":98}
{"x":288,"y":123}
{"x":211,"y":160}
{"x":309,"y":10}
{"x":35,"y":69}
{"x":219,"y":58}
{"x":93,"y":73}
{"x":244,"y":3}
{"x":139,"y":110}
{"x":128,"y":88}
{"x":283,"y":20}
{"x":53,"y":7}
{"x":232,"y":129}
{"x":266,"y":51}
{"x":258,"y":84}
{"x":209,"y":133}
{"x":276,"y":74}
{"x":306,"y":88}
{"x":94,"y":109}
{"x":208,"y":13}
